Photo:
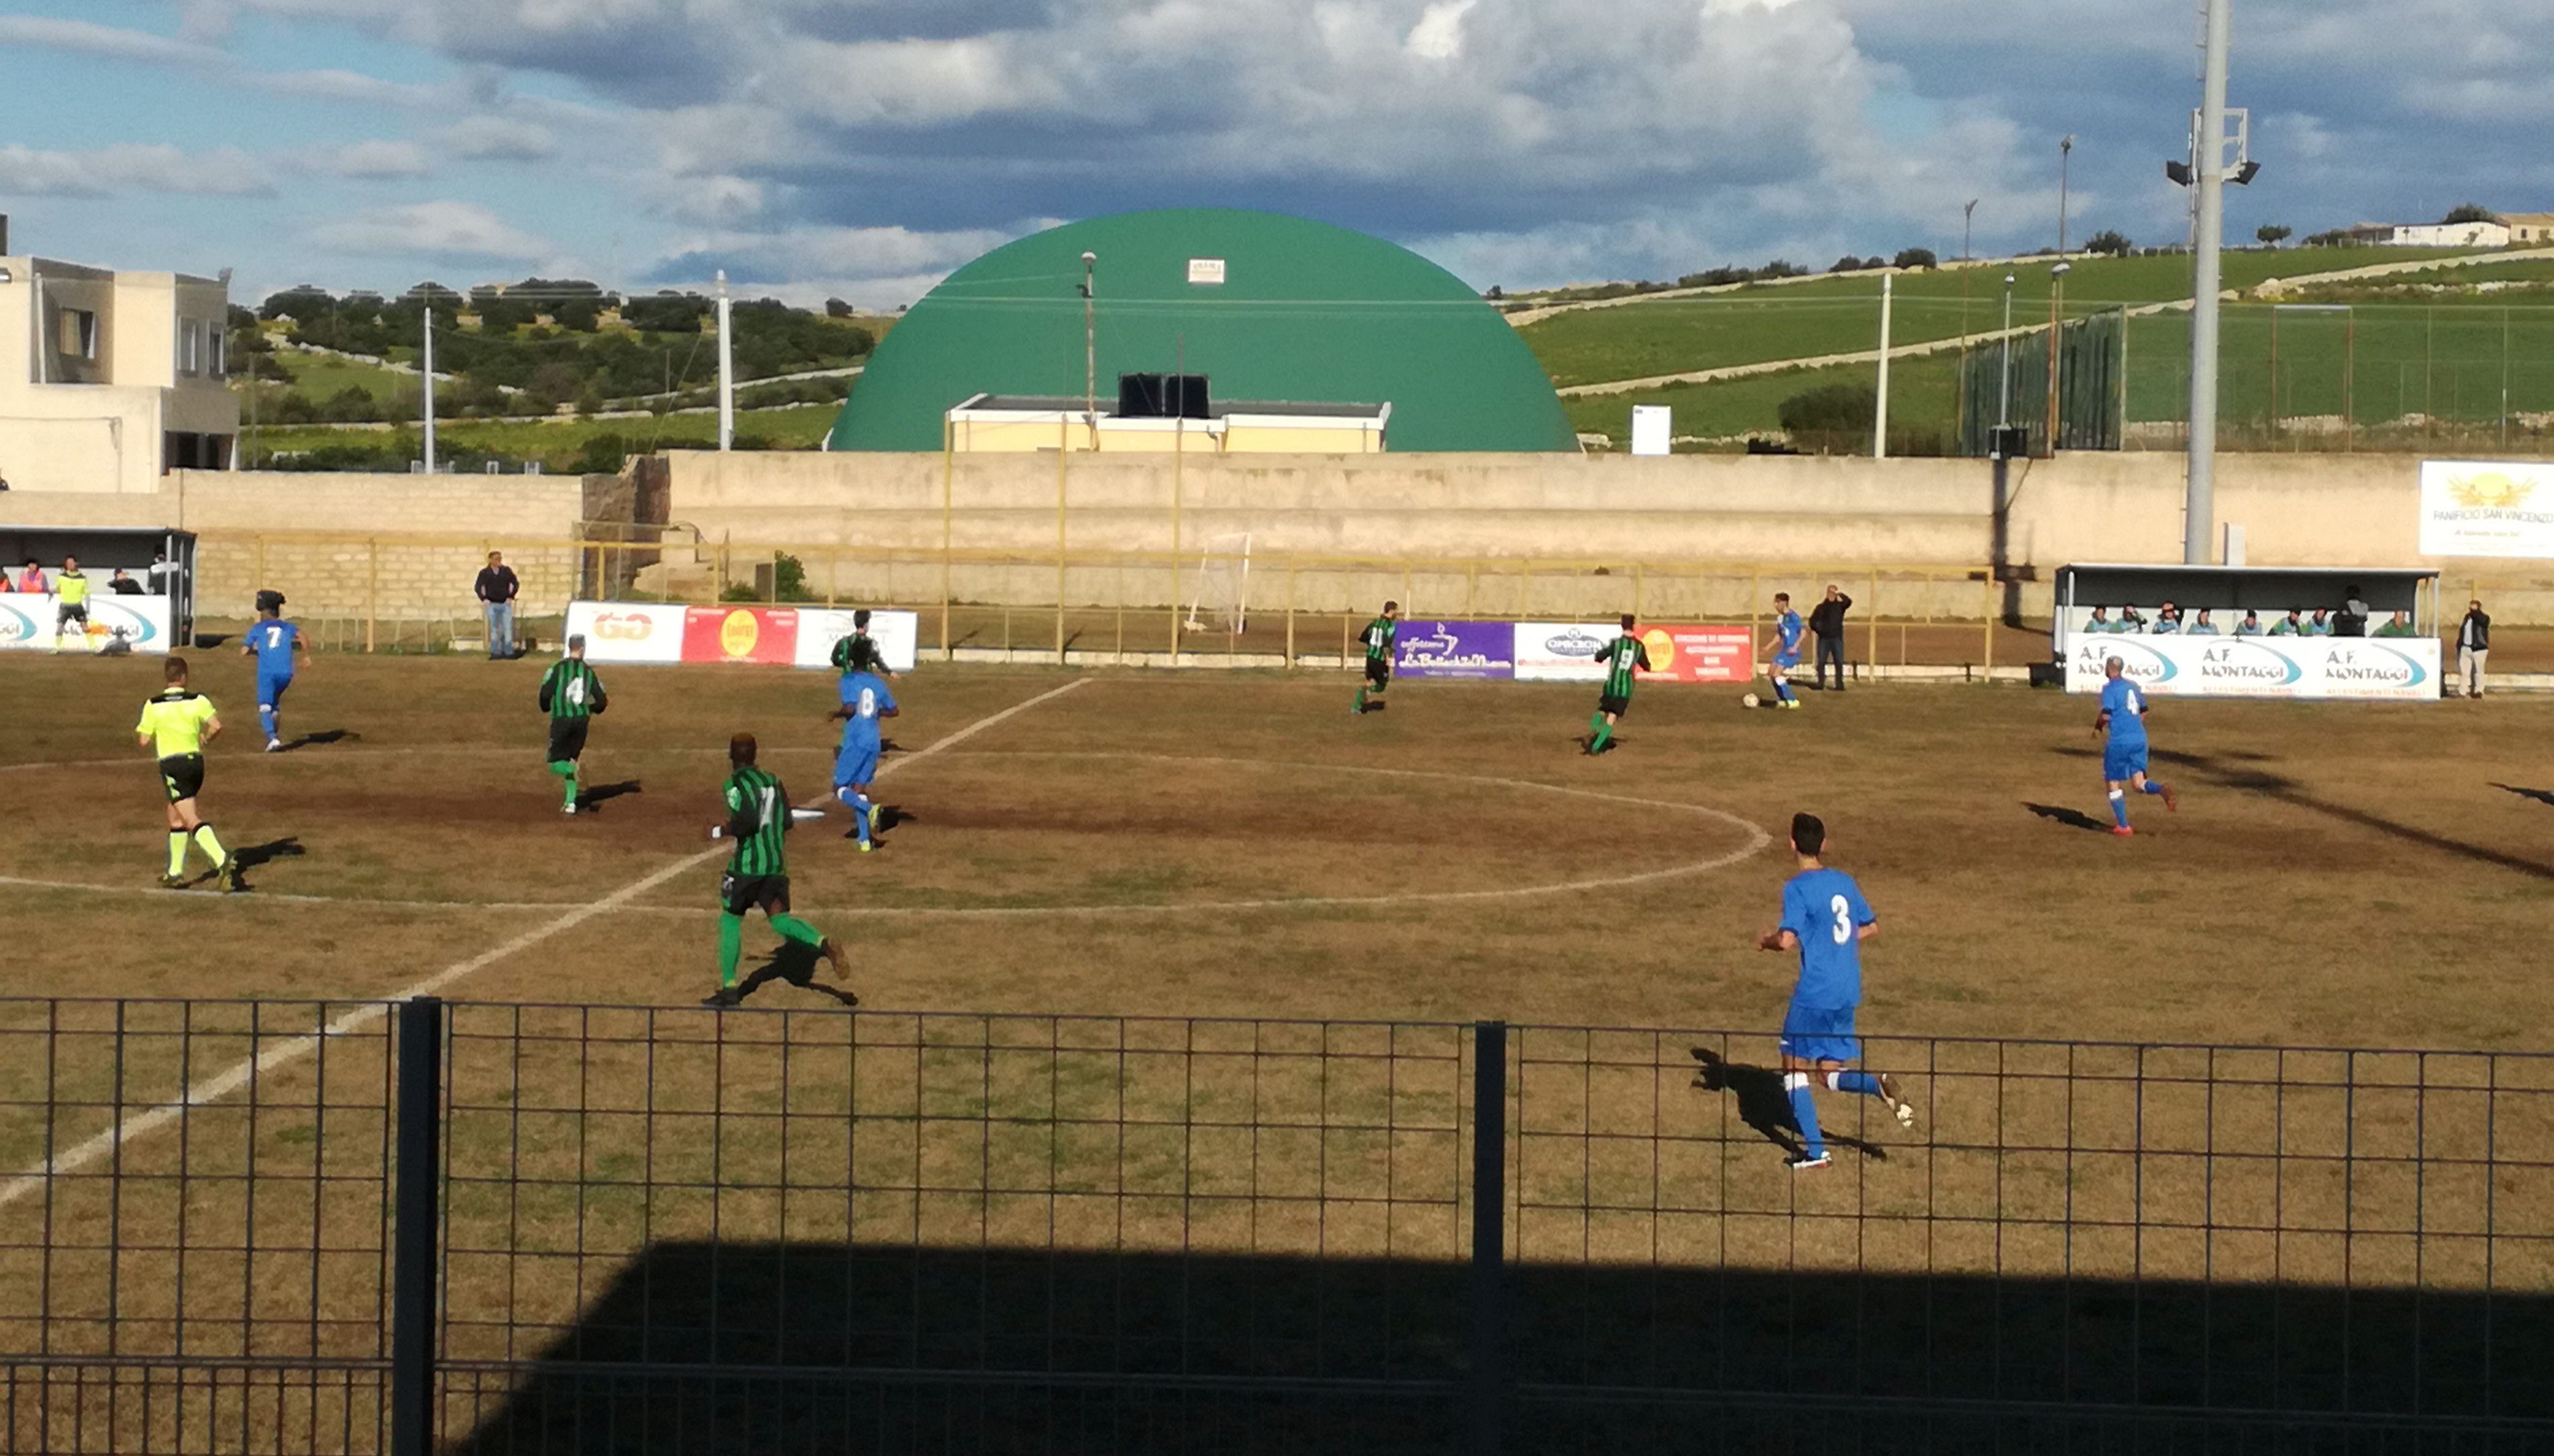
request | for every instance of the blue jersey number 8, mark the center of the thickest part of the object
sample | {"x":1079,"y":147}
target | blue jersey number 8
{"x":1843,"y":919}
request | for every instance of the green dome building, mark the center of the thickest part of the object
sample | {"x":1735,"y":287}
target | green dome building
{"x":1278,"y":312}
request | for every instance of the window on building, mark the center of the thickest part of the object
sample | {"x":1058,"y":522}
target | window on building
{"x":217,"y":351}
{"x":191,"y":347}
{"x":77,"y":333}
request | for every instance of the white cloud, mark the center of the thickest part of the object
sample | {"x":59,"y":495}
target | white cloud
{"x":132,"y":167}
{"x":1438,"y":36}
{"x":373,"y":161}
{"x":498,"y":139}
{"x":446,"y":229}
{"x":90,"y":39}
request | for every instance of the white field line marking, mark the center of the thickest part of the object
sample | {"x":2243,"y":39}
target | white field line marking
{"x":461,"y":750}
{"x":213,"y":1090}
{"x":1756,"y":836}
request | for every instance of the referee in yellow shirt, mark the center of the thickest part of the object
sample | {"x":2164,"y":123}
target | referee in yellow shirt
{"x":71,"y":595}
{"x":176,"y":725}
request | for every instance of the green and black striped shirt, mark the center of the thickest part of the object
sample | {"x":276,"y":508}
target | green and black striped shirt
{"x":757,"y":816}
{"x":855,"y":652}
{"x":572,"y":690}
{"x":1378,"y":639}
{"x":1622,"y":657}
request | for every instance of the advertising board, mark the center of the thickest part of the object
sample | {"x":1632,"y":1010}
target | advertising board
{"x":1698,"y":654}
{"x":800,"y":636}
{"x":628,"y":632}
{"x":2383,"y":668}
{"x":1561,"y":652}
{"x":819,"y":628}
{"x":2498,"y":507}
{"x":1456,"y":649}
{"x":27,"y":622}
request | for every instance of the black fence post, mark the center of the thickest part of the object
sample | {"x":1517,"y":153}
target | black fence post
{"x":1485,"y":1396}
{"x":414,"y":1226}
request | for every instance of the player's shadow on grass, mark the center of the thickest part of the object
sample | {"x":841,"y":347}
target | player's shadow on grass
{"x":323,"y":737}
{"x":794,"y":965}
{"x":1766,"y":1107}
{"x":287,"y":848}
{"x":602,"y":794}
{"x":2071,"y":817}
{"x":2218,"y":772}
{"x":2541,"y":796}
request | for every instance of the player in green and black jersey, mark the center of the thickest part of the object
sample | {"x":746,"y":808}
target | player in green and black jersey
{"x":757,"y":873}
{"x":1378,"y":640}
{"x":1624,"y":659}
{"x":859,"y":652}
{"x":571,"y":694}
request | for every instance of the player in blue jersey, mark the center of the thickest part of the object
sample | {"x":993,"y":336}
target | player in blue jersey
{"x":1827,"y":919}
{"x":865,"y":701}
{"x":2123,"y":722}
{"x":273,"y":642}
{"x":1784,"y":645}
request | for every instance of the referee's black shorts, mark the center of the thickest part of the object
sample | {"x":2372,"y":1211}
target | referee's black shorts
{"x":739,"y":893}
{"x":182,"y":775}
{"x":567,"y":738}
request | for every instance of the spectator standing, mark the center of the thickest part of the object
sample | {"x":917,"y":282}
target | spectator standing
{"x":32,"y":580}
{"x":496,"y":590}
{"x":1826,"y":624}
{"x":2474,"y":643}
{"x":122,"y":583}
{"x":163,"y":575}
{"x":2353,"y":621}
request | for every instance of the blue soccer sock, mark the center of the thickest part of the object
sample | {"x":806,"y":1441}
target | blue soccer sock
{"x":2120,"y":808}
{"x":266,"y":720}
{"x":1860,"y":1083}
{"x":1805,"y":1111}
{"x":858,"y":802}
{"x":2153,"y":787}
{"x":1781,"y":689}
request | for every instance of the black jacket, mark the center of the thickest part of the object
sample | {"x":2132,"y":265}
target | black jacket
{"x":497,"y":584}
{"x":1826,"y":619}
{"x":2478,"y":626}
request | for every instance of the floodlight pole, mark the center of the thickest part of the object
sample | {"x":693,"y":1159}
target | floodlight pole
{"x":425,"y":372}
{"x":727,"y":366}
{"x":2208,"y":179}
{"x":1091,"y":347}
{"x":2004,"y":405}
{"x":1880,"y":417}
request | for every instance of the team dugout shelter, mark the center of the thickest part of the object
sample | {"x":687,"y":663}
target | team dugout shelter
{"x":102,"y":551}
{"x":2224,"y":664}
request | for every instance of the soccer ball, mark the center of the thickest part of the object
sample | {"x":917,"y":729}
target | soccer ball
{"x":1751,"y":700}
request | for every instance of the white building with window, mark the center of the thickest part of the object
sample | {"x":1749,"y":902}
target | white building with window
{"x":107,"y":380}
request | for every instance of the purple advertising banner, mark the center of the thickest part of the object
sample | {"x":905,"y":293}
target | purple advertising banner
{"x":1456,"y":649}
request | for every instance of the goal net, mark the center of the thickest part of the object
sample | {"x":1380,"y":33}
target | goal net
{"x":1221,"y":601}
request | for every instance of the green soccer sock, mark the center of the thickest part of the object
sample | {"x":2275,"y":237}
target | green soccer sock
{"x":176,"y":851}
{"x":565,"y":768}
{"x":1604,"y":734}
{"x":1361,"y":700}
{"x":212,"y":846}
{"x":794,"y":929}
{"x":731,"y":945}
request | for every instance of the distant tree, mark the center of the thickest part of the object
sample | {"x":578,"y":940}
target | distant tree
{"x":2469,"y":212}
{"x":1917,"y":257}
{"x":1846,"y":264}
{"x":1874,"y":260}
{"x":842,"y":308}
{"x":1494,"y":296}
{"x":554,"y":383}
{"x":1780,"y":269}
{"x":432,"y":293}
{"x":2331,"y":237}
{"x":2273,"y":234}
{"x":2111,"y":242}
{"x":305,"y":304}
{"x":1831,"y":416}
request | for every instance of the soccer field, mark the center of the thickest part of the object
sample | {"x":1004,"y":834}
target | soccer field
{"x":1239,"y":845}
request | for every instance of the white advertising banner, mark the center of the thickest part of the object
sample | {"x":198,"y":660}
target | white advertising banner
{"x":2398,"y":668}
{"x":27,"y":622}
{"x":2496,"y":508}
{"x":819,"y":628}
{"x":628,"y":632}
{"x":1561,"y":652}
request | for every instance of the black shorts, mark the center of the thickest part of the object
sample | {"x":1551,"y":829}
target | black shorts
{"x":69,"y":612}
{"x":567,"y":738}
{"x":1378,"y":671}
{"x":741,"y":893}
{"x":182,"y":777}
{"x":1608,"y":703}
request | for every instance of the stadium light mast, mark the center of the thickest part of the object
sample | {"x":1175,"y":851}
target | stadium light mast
{"x":727,"y":366}
{"x":2004,"y":406}
{"x":426,"y":372}
{"x":2208,"y":179}
{"x":1091,"y":347}
{"x":1879,"y":416}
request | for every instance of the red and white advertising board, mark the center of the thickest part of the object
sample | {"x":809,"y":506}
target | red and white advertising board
{"x":780,"y":637}
{"x":1698,"y":654}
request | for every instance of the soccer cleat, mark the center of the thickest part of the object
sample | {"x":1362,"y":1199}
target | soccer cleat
{"x":567,"y":809}
{"x":229,"y":875}
{"x":2123,"y":831}
{"x":869,"y":845}
{"x":1793,"y":703}
{"x":1806,"y":1161}
{"x":832,"y":951}
{"x":2171,"y":799}
{"x":173,"y":882}
{"x":1899,"y":1107}
{"x":275,"y":745}
{"x":723,"y":1000}
{"x":877,"y":811}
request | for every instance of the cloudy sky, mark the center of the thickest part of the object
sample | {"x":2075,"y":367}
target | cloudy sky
{"x":861,"y":148}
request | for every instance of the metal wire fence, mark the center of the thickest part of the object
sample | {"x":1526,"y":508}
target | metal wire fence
{"x":497,"y":1228}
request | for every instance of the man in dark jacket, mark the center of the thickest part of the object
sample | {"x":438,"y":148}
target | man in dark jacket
{"x":496,"y":589}
{"x":1826,"y":624}
{"x":2474,"y":643}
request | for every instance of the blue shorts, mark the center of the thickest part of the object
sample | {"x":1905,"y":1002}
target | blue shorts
{"x":2122,"y":762}
{"x":857,"y":765}
{"x":1820,"y":1033}
{"x":1788,"y":659}
{"x":269,"y":690}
